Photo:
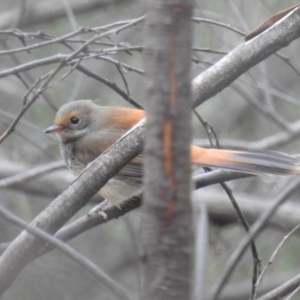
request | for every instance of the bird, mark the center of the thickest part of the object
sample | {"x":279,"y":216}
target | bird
{"x":85,"y":130}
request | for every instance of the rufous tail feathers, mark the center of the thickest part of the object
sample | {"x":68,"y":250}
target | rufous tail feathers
{"x":258,"y":163}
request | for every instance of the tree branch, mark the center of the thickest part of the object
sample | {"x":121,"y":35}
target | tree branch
{"x":25,"y":247}
{"x":244,"y":57}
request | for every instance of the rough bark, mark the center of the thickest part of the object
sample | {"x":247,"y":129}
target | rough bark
{"x":167,"y":221}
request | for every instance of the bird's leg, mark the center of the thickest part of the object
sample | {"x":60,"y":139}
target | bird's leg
{"x":98,"y":209}
{"x":125,"y":206}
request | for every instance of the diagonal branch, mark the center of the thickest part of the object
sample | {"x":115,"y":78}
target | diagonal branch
{"x":69,"y":251}
{"x":25,"y":247}
{"x":245,"y":56}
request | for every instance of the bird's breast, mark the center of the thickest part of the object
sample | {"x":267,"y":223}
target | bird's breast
{"x":76,"y":157}
{"x":80,"y":152}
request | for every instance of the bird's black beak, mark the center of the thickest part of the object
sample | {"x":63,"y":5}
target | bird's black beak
{"x":53,"y":128}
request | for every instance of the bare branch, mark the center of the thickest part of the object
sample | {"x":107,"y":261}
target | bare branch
{"x":69,"y":251}
{"x":50,"y":185}
{"x":30,"y":174}
{"x":274,"y":254}
{"x":221,"y":211}
{"x":245,"y":56}
{"x":253,"y":233}
{"x":25,"y":247}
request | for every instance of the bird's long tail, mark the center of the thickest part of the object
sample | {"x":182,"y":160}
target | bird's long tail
{"x":258,"y":163}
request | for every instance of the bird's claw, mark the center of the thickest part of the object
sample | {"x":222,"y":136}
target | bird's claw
{"x":98,"y":209}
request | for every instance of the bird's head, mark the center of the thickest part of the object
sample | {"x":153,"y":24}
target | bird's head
{"x":73,"y":120}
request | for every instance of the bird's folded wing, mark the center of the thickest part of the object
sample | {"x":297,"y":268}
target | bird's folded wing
{"x":134,"y":168}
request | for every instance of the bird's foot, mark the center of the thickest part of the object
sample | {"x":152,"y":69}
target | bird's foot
{"x":98,"y":209}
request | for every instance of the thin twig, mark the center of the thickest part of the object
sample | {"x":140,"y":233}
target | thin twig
{"x":253,"y":233}
{"x":274,"y":254}
{"x":121,"y":26}
{"x":31,"y":174}
{"x":220,"y":24}
{"x":112,"y":85}
{"x":256,"y":261}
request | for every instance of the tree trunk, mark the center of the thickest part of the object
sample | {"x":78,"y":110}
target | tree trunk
{"x":167,"y":219}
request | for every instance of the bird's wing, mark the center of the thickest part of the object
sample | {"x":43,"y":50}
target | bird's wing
{"x":134,"y":168}
{"x":253,"y":162}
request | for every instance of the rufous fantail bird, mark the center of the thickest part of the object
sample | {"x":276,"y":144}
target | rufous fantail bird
{"x":85,"y":130}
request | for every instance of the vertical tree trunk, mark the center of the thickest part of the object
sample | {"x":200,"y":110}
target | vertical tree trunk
{"x":167,"y":219}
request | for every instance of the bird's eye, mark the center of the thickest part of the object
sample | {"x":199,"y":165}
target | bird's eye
{"x":75,"y":120}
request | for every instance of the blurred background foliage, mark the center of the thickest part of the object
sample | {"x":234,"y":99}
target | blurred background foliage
{"x":239,"y":116}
